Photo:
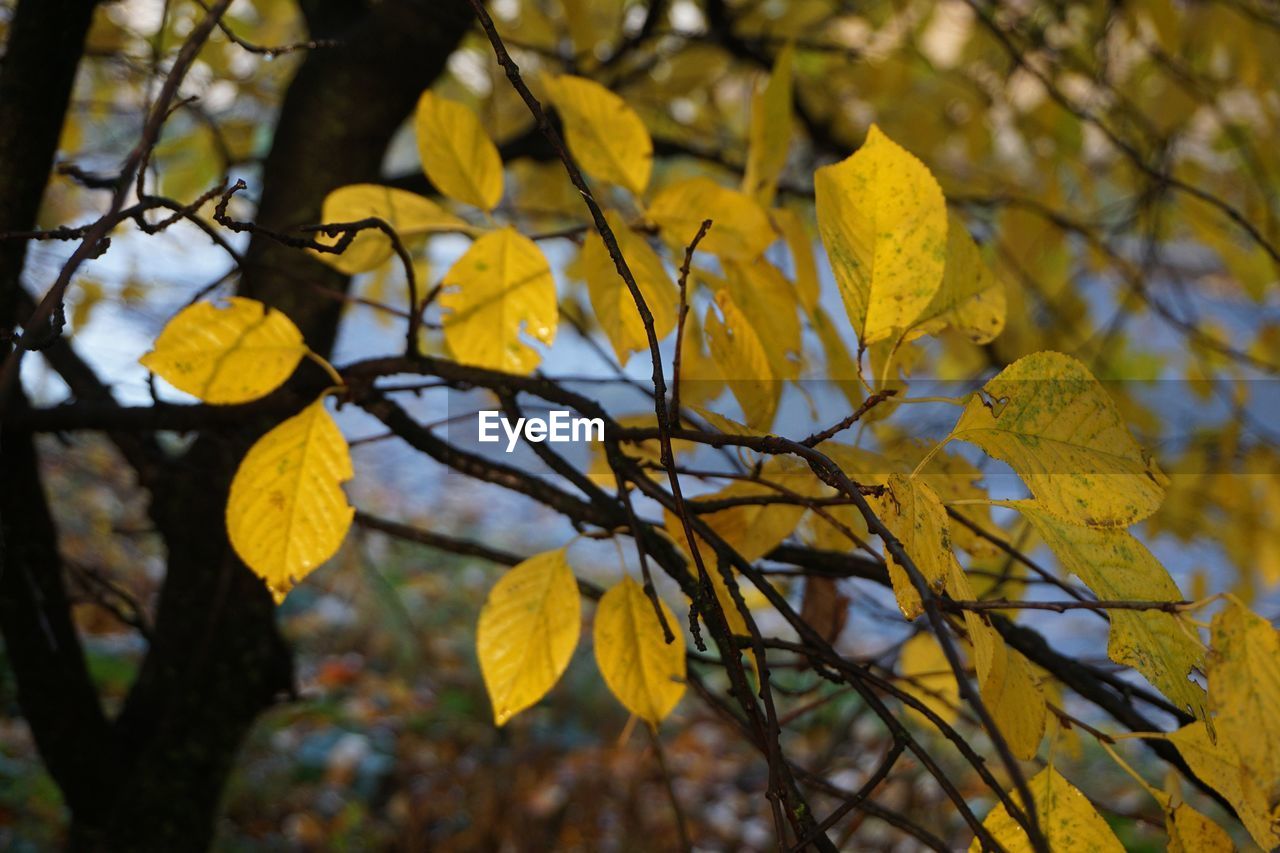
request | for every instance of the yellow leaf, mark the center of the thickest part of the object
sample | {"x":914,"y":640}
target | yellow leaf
{"x":753,"y":530}
{"x":1054,"y":424}
{"x":770,"y":131}
{"x":883,"y":221}
{"x":930,"y":678}
{"x":971,"y":298}
{"x":1068,"y":820}
{"x":286,"y":513}
{"x":1117,"y":567}
{"x":457,"y":155}
{"x":226,"y":355}
{"x":916,"y":517}
{"x":1006,"y":679}
{"x":408,"y":213}
{"x":768,"y":301}
{"x":89,"y":295}
{"x":528,"y":628}
{"x":740,"y":229}
{"x":1222,"y":766}
{"x":615,"y":308}
{"x":639,"y":666}
{"x":606,"y":136}
{"x":501,"y":287}
{"x":737,"y":351}
{"x":791,"y":227}
{"x":1244,"y":690}
{"x":1191,"y":832}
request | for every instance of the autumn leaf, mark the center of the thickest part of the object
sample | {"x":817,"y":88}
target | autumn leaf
{"x":527,"y":632}
{"x":737,"y":351}
{"x":883,"y":222}
{"x":740,"y":228}
{"x":607,"y":137}
{"x":227,"y":354}
{"x":286,"y":513}
{"x":1117,"y":567}
{"x":1054,"y":424}
{"x":457,"y":155}
{"x":409,"y":214}
{"x":1067,"y":819}
{"x":496,"y":293}
{"x":642,"y":670}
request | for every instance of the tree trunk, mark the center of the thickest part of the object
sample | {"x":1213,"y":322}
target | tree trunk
{"x":153,"y":779}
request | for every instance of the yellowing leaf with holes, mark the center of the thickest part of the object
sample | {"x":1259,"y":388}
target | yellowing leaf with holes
{"x":606,"y":136}
{"x":227,"y":354}
{"x":408,"y":213}
{"x":916,"y":517}
{"x":1068,"y":820}
{"x":457,"y":155}
{"x":791,"y":226}
{"x":1224,"y":767}
{"x":769,"y":134}
{"x":1117,"y":567}
{"x":929,"y":678}
{"x":883,"y":221}
{"x":744,"y":365}
{"x":528,"y":628}
{"x":768,"y":301}
{"x":644,"y":671}
{"x":740,"y":228}
{"x":614,"y":305}
{"x":287,"y":513}
{"x":497,"y":292}
{"x":1054,"y":424}
{"x":971,"y":298}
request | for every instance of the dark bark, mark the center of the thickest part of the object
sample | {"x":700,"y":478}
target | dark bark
{"x":217,"y":659}
{"x":152,"y":780}
{"x":54,"y":690}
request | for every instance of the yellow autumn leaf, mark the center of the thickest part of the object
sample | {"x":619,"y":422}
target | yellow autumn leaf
{"x":971,"y":298}
{"x":916,"y":517}
{"x":740,"y":356}
{"x":287,"y":513}
{"x":1222,"y":766}
{"x":753,"y":530}
{"x":740,"y":228}
{"x":614,"y":306}
{"x":408,"y":213}
{"x":457,"y":155}
{"x":883,"y":220}
{"x":1054,"y":424}
{"x":606,"y":137}
{"x":227,"y":354}
{"x":1117,"y":567}
{"x":791,"y":227}
{"x":928,"y":677}
{"x":768,"y":301}
{"x":527,"y":632}
{"x":1244,"y":691}
{"x":1068,"y":820}
{"x":500,"y":289}
{"x":1191,"y":832}
{"x":1006,"y":679}
{"x":769,"y":133}
{"x":640,"y":668}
